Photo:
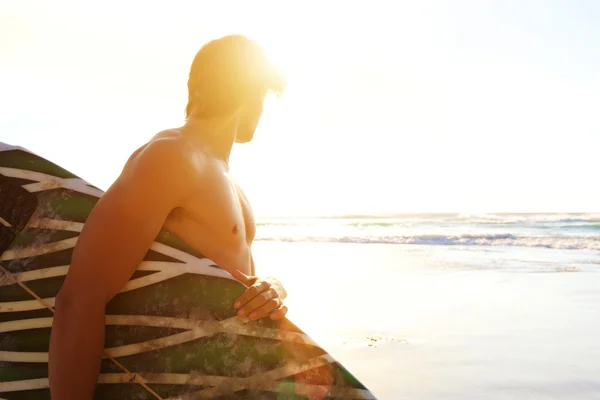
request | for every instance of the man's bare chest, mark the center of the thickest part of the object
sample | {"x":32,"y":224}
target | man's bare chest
{"x":220,"y":210}
{"x":247,"y":214}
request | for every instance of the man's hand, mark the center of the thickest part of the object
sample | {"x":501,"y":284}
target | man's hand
{"x":263,"y":297}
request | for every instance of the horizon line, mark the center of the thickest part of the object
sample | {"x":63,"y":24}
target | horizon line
{"x":413,"y":214}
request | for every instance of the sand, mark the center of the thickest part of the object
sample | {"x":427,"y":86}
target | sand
{"x":411,"y":325}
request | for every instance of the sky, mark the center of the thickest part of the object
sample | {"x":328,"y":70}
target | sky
{"x":404,"y":106}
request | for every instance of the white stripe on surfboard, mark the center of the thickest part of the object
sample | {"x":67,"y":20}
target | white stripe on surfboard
{"x":48,"y":182}
{"x":64,"y":244}
{"x":125,"y":320}
{"x":25,"y":305}
{"x":149,"y":280}
{"x":233,"y":327}
{"x":174,"y":270}
{"x":27,"y":384}
{"x":28,"y":305}
{"x":302,"y":389}
{"x":290,"y":368}
{"x":34,"y":275}
{"x":77,"y":227}
{"x":75,"y":184}
{"x":55,"y":224}
{"x":25,"y":324}
{"x":206,"y":329}
{"x":196,"y":380}
{"x":175,"y":253}
{"x":5,"y":223}
{"x":23,"y":356}
{"x":40,"y":249}
{"x":200,"y":267}
{"x":256,"y":381}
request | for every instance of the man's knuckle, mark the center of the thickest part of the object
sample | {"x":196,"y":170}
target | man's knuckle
{"x":265,"y":296}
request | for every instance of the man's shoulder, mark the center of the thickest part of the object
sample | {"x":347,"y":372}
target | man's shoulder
{"x":165,"y":160}
{"x":166,"y":151}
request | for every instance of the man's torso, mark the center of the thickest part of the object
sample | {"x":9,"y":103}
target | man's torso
{"x":216,"y":218}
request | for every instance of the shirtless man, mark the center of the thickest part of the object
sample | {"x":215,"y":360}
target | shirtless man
{"x":180,"y":181}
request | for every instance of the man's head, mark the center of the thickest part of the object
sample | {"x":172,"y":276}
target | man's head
{"x":229,"y":77}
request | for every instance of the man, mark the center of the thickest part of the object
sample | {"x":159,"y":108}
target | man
{"x":180,"y":181}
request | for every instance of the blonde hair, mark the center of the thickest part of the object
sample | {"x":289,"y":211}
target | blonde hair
{"x":227,"y":74}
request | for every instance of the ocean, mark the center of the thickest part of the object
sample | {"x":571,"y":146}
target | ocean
{"x":574,"y":238}
{"x":447,"y":306}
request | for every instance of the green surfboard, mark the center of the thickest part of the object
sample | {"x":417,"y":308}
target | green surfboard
{"x":172,"y":327}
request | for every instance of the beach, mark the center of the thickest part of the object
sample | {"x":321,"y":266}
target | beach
{"x":448,"y":321}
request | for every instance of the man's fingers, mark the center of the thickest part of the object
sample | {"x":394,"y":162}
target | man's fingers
{"x":280,"y":313}
{"x":257,"y":302}
{"x":251,"y":293}
{"x":265,"y":309}
{"x":239,"y":275}
{"x":242,"y":277}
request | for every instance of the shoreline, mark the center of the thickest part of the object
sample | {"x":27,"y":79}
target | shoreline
{"x":456,"y":333}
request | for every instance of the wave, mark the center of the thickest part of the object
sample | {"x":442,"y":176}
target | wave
{"x":510,"y":240}
{"x":591,"y":226}
{"x":542,"y":220}
{"x":532,"y":219}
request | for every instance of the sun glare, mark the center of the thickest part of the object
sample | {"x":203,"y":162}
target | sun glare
{"x":383,"y":112}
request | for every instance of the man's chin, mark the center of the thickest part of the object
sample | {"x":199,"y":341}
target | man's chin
{"x":243,"y":139}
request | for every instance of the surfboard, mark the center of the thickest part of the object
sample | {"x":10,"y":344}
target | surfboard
{"x":171,"y":332}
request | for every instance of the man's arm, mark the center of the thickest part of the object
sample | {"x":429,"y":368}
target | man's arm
{"x":114,"y":240}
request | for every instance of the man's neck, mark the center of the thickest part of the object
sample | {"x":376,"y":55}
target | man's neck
{"x":213,"y":135}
